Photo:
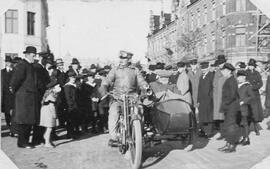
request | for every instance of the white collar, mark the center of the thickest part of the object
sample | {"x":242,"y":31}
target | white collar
{"x":241,"y":84}
{"x":27,"y":60}
{"x":71,"y":84}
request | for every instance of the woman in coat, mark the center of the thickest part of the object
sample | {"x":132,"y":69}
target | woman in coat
{"x":230,"y":107}
{"x":255,"y":79}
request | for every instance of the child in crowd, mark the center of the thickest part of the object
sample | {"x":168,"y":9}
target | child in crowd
{"x":48,"y":112}
{"x":245,"y":94}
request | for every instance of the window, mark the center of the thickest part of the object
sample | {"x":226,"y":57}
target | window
{"x":240,"y":5}
{"x":213,"y":42}
{"x":30,"y":23}
{"x":214,"y":12}
{"x":192,"y":23}
{"x":223,"y":40}
{"x":205,"y":45}
{"x":11,"y":21}
{"x":199,"y":19}
{"x":205,"y":16}
{"x":224,"y":7}
{"x":240,"y":37}
{"x":12,"y":55}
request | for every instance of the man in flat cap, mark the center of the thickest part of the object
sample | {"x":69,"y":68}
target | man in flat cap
{"x":230,"y":106}
{"x":23,"y":85}
{"x":123,"y":78}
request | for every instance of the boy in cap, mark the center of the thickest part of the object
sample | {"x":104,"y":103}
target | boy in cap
{"x":230,"y":106}
{"x":255,"y":79}
{"x":70,"y":90}
{"x":205,"y":101}
{"x":246,"y":95}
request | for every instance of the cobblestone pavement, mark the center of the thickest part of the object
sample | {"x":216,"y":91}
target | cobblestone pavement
{"x":92,"y":152}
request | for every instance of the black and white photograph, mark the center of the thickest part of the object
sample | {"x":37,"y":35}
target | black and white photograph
{"x":135,"y":84}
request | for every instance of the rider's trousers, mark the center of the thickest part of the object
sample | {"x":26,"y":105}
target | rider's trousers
{"x":113,"y":119}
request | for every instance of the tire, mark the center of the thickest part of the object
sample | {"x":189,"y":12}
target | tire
{"x":135,"y":149}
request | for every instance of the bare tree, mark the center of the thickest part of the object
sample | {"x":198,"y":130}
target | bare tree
{"x":190,"y":42}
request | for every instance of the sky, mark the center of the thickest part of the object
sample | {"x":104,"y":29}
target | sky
{"x":96,"y":30}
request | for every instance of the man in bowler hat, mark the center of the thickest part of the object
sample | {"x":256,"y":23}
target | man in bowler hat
{"x":23,"y":85}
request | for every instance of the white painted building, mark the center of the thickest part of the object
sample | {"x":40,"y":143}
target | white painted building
{"x":23,"y":23}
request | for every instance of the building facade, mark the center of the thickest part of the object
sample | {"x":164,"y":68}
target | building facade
{"x":23,"y":24}
{"x":227,"y":27}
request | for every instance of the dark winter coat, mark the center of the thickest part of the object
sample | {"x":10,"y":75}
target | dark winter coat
{"x":71,"y":97}
{"x":231,"y":108}
{"x":246,"y":95}
{"x":6,"y":96}
{"x":195,"y":79}
{"x":205,"y":98}
{"x":255,"y":79}
{"x":24,"y":85}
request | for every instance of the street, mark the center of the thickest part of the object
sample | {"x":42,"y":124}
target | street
{"x":92,"y":152}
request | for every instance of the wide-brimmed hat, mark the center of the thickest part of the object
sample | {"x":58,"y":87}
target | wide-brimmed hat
{"x":59,"y":62}
{"x":71,"y":73}
{"x":152,"y":67}
{"x":241,"y":73}
{"x":242,"y":65}
{"x":30,"y":49}
{"x":125,"y":55}
{"x":75,"y":61}
{"x":193,"y":61}
{"x":8,"y":59}
{"x":228,"y":66}
{"x":181,"y":64}
{"x":16,"y":59}
{"x":252,"y":62}
{"x":160,"y":66}
{"x":204,"y":65}
{"x":221,"y":59}
{"x":93,"y":66}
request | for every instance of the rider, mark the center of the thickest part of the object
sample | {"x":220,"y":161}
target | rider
{"x":123,"y":78}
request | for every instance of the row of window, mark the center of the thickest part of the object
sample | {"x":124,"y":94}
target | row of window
{"x":202,"y":18}
{"x":12,"y":22}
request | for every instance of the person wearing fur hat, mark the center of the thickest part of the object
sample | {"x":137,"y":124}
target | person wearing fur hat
{"x":255,"y":79}
{"x":230,"y":106}
{"x":246,"y":95}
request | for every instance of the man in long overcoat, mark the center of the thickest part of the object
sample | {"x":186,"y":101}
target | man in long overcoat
{"x":255,"y":79}
{"x":205,"y":100}
{"x":194,"y":76}
{"x":6,"y":95}
{"x":218,"y":82}
{"x":23,"y":85}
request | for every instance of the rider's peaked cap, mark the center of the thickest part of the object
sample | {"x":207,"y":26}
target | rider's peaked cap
{"x":125,"y":55}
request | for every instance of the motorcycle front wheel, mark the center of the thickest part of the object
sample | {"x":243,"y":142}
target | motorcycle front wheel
{"x":135,"y":148}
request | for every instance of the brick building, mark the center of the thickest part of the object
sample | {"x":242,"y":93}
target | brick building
{"x":227,"y":26}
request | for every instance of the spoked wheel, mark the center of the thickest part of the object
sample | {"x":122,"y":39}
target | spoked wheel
{"x":135,"y":147}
